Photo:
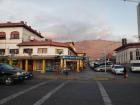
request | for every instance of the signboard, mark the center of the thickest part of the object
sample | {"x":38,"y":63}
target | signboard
{"x":72,"y":57}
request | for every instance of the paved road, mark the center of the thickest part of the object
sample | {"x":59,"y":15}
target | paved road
{"x":72,"y":92}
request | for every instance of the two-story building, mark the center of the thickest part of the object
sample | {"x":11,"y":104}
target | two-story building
{"x":26,"y":48}
{"x":127,"y":52}
{"x":13,"y":33}
{"x":46,"y":55}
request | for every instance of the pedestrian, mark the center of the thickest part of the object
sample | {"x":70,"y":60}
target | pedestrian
{"x":66,"y":71}
{"x":125,"y":73}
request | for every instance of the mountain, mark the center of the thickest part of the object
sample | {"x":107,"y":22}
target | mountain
{"x":96,"y":48}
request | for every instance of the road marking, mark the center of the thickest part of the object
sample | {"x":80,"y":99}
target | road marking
{"x":107,"y":100}
{"x":4,"y":100}
{"x":48,"y":95}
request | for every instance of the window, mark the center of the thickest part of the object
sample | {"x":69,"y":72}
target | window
{"x":131,"y":55}
{"x":2,"y":51}
{"x":59,"y":51}
{"x":14,"y":35}
{"x":28,"y":51}
{"x":137,"y":54}
{"x":42,"y":50}
{"x":2,"y":35}
{"x":14,"y":51}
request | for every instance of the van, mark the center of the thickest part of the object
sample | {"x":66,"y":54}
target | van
{"x":135,"y":65}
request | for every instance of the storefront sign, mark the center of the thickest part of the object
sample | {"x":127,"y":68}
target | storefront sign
{"x":72,"y":57}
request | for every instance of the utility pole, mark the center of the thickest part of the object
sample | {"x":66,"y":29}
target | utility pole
{"x":138,"y":15}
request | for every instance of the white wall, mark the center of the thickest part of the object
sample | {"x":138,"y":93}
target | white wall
{"x":10,"y":43}
{"x":24,"y":34}
{"x":121,"y":56}
{"x":27,"y":34}
{"x":51,"y":50}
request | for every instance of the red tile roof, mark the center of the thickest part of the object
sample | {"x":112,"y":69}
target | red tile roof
{"x":20,"y":24}
{"x":129,"y":45}
{"x":43,"y":43}
{"x":46,"y":43}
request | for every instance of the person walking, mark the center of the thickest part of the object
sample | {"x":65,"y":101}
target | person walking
{"x":125,"y":73}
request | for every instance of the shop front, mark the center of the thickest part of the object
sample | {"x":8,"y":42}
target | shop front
{"x":49,"y":63}
{"x":73,"y":63}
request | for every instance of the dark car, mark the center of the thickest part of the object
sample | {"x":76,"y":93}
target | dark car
{"x":9,"y":75}
{"x":28,"y":75}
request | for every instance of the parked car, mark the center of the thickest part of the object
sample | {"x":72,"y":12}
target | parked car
{"x":117,"y":69}
{"x":102,"y":68}
{"x":9,"y":75}
{"x":27,"y":75}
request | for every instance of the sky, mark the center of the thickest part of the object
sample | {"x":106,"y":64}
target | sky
{"x":75,"y":20}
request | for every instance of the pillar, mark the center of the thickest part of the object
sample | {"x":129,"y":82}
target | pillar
{"x":81,"y":64}
{"x":10,"y":61}
{"x":61,"y":64}
{"x":64,"y":63}
{"x":34,"y":65}
{"x":26,"y":65}
{"x":43,"y":66}
{"x":78,"y":66}
{"x":20,"y":64}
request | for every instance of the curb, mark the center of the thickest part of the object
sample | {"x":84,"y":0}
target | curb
{"x":55,"y":78}
{"x":74,"y":78}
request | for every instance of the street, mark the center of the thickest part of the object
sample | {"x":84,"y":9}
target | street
{"x":74,"y":92}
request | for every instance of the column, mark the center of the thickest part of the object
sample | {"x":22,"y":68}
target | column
{"x":78,"y":66}
{"x":64,"y":63}
{"x":34,"y":65}
{"x":26,"y":65}
{"x":81,"y":64}
{"x":10,"y":62}
{"x":43,"y":66}
{"x":61,"y":64}
{"x":20,"y":64}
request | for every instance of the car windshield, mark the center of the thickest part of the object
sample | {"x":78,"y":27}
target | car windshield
{"x":101,"y":66}
{"x":118,"y":67}
{"x":6,"y":67}
{"x":136,"y":64}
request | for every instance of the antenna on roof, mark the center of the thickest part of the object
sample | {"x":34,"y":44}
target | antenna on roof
{"x":32,"y":38}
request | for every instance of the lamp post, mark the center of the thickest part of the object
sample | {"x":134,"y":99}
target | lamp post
{"x":105,"y":52}
{"x":105,"y":61}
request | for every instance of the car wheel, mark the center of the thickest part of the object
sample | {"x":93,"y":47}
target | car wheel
{"x":8,"y":81}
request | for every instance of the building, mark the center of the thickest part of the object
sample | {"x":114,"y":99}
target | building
{"x":26,"y":48}
{"x":13,"y":33}
{"x":138,"y":19}
{"x":45,"y":55}
{"x":127,"y":52}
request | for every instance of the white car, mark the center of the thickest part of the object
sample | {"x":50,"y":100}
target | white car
{"x":102,"y":68}
{"x":118,"y":69}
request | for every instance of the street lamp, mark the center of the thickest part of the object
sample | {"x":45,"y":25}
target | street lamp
{"x":105,"y":62}
{"x":105,"y":52}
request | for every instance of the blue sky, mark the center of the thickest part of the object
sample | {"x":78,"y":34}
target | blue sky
{"x":74,"y":20}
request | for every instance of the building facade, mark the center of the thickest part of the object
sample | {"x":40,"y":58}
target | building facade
{"x":26,"y":48}
{"x":13,"y":33}
{"x":127,"y":53}
{"x":138,"y":19}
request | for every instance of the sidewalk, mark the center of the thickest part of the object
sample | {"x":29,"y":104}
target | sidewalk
{"x":84,"y":75}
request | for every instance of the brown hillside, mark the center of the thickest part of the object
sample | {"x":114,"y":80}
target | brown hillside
{"x":96,"y":48}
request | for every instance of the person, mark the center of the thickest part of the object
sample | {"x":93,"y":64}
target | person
{"x":66,"y":71}
{"x":125,"y":73}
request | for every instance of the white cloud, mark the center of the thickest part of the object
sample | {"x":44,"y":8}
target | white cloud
{"x":60,"y":20}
